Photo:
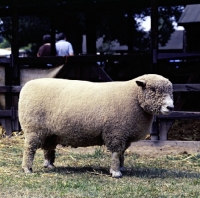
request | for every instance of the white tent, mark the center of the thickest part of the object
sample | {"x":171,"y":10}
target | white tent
{"x":5,"y":52}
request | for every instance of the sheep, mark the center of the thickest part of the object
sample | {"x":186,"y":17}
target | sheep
{"x":80,"y":114}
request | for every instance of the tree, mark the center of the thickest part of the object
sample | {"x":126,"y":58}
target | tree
{"x":166,"y":16}
{"x":31,"y":30}
{"x":114,"y":24}
{"x":4,"y":43}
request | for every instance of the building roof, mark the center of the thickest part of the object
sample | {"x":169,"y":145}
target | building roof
{"x":191,"y":14}
{"x":175,"y":42}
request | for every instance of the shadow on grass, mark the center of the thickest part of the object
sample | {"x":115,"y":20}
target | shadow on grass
{"x":130,"y":172}
{"x":160,"y":173}
{"x":76,"y":170}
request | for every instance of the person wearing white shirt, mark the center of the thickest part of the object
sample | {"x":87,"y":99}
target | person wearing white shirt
{"x":63,"y":47}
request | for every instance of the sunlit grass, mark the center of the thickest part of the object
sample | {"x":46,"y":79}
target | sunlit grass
{"x":87,"y":175}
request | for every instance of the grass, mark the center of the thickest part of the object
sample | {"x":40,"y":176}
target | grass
{"x":86,"y":174}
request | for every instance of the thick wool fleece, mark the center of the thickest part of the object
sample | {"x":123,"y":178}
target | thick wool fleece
{"x":151,"y":97}
{"x":80,"y":113}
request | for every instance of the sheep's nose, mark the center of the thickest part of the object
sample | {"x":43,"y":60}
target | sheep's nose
{"x":170,"y":108}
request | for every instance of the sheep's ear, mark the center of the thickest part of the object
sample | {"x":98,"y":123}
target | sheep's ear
{"x":141,"y":83}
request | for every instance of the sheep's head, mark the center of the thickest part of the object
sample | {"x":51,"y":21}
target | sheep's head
{"x":155,"y":94}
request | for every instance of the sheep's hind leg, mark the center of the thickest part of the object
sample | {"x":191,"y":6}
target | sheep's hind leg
{"x":30,"y":147}
{"x":49,"y":158}
{"x":115,"y":165}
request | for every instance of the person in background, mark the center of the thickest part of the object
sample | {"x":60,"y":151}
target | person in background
{"x":45,"y":49}
{"x":63,"y":47}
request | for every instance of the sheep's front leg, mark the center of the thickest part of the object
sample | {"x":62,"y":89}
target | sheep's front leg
{"x":49,"y":158}
{"x":121,"y":159}
{"x":115,"y":165}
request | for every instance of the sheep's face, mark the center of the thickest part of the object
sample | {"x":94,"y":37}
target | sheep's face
{"x":155,"y":95}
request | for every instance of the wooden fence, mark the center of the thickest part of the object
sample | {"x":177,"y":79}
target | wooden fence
{"x":161,"y":124}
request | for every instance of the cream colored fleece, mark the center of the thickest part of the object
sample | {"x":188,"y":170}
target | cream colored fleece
{"x":81,"y":113}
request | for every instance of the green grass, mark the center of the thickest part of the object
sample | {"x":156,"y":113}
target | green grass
{"x":87,"y":175}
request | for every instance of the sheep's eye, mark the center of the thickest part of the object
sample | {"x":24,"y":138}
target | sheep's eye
{"x":153,"y":89}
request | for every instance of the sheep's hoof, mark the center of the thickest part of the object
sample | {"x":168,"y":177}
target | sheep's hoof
{"x":28,"y":170}
{"x":122,"y":169}
{"x":115,"y":174}
{"x":51,"y":166}
{"x":47,"y":164}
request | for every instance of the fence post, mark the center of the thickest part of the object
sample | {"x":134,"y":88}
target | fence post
{"x":155,"y":132}
{"x":164,"y":129}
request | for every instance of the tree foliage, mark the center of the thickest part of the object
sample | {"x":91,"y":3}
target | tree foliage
{"x":113,"y":24}
{"x":166,"y":16}
{"x":116,"y":25}
{"x":31,"y":29}
{"x":4,"y":43}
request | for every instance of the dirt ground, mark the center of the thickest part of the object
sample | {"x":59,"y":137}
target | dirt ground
{"x":152,"y":151}
{"x":149,"y":151}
